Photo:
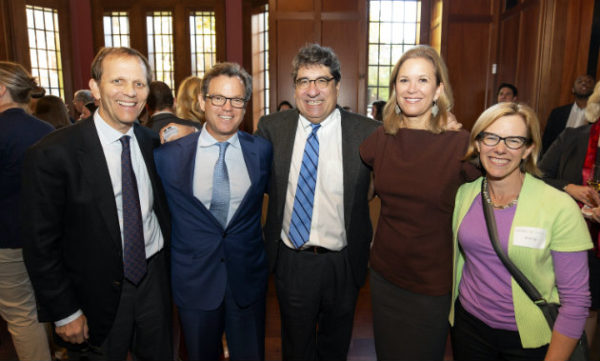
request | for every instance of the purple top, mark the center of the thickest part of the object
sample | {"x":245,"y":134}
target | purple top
{"x":485,"y":287}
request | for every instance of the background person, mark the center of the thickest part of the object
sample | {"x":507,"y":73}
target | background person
{"x":19,"y":131}
{"x":417,"y":169}
{"x":507,"y":93}
{"x":568,"y":165}
{"x":160,"y":105}
{"x":540,"y":229}
{"x":53,"y":110}
{"x":186,"y":103}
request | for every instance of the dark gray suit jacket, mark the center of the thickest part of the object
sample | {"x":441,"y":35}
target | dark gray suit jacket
{"x":280,"y":129}
{"x":563,"y":162}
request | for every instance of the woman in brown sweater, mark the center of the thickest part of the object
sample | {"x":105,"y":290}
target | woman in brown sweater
{"x":417,"y":167}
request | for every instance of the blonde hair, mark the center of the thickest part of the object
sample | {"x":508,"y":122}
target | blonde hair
{"x":495,"y":112}
{"x":592,"y":109}
{"x":186,"y":105}
{"x":392,"y":121}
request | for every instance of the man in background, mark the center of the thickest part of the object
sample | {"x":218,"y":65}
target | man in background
{"x":570,"y":115}
{"x":160,"y":108}
{"x":507,"y":93}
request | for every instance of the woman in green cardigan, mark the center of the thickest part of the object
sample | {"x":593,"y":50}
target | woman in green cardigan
{"x":542,"y":231}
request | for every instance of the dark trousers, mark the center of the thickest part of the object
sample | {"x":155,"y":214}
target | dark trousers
{"x":143,"y":324}
{"x":407,"y":325}
{"x":244,"y":329}
{"x":474,"y":340}
{"x":317,"y":297}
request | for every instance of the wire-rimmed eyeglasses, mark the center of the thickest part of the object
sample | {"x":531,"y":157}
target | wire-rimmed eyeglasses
{"x":219,"y":101}
{"x":512,"y":142}
{"x":321,"y":83}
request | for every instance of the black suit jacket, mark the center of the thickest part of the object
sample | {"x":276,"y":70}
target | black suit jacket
{"x":157,"y":122}
{"x":557,"y":121}
{"x":72,"y":239}
{"x":280,"y":129}
{"x":563,"y":162}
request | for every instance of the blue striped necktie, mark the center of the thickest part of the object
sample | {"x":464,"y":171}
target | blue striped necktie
{"x":305,"y":192}
{"x":134,"y":249}
{"x":219,"y":203}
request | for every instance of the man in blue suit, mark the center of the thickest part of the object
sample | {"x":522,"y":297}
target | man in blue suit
{"x":215,"y":180}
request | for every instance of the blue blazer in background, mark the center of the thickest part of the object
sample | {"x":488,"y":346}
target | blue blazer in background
{"x":205,"y":257}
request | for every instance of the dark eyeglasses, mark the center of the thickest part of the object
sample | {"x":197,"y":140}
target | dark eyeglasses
{"x":219,"y":101}
{"x":321,"y":83}
{"x":491,"y":139}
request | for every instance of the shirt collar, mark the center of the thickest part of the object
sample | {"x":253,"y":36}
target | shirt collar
{"x":207,"y":140}
{"x":106,"y":133}
{"x":331,"y":118}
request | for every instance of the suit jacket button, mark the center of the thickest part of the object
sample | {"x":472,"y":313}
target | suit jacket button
{"x":116,"y":283}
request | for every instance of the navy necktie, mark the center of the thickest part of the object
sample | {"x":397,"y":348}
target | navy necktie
{"x":134,"y":252}
{"x":305,"y":192}
{"x":219,"y":203}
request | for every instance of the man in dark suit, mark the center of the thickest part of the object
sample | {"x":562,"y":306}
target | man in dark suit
{"x":160,"y":108}
{"x":318,"y":229}
{"x":570,"y":115}
{"x":219,"y":262}
{"x":96,"y":226}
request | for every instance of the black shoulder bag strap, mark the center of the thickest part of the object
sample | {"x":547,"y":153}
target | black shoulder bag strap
{"x":550,"y":312}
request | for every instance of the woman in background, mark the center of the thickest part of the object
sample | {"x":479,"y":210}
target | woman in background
{"x":186,"y":102}
{"x":53,"y":110}
{"x":417,"y":168}
{"x":539,"y":228}
{"x":19,"y":131}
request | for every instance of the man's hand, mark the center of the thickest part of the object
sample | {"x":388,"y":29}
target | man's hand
{"x":583,"y":194}
{"x":75,"y":331}
{"x":182,"y":131}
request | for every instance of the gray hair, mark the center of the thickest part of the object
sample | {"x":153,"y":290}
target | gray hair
{"x":315,"y":54}
{"x":84,"y":96}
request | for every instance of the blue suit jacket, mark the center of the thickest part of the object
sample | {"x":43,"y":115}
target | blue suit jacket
{"x":205,"y":257}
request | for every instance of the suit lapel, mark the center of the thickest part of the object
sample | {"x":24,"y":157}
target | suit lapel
{"x":350,"y":144}
{"x":283,"y":157}
{"x":95,"y":171}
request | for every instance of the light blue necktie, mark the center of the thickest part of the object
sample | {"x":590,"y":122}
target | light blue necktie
{"x":219,"y":204}
{"x":305,"y":192}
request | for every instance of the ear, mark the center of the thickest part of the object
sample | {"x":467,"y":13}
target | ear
{"x":95,"y":88}
{"x":438,"y":91}
{"x":337,"y":86}
{"x":478,"y":147}
{"x":527,"y":152}
{"x":201,"y":101}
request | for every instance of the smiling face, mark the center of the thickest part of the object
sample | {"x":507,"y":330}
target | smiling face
{"x":584,"y":86}
{"x":417,"y":88}
{"x":223,"y":121}
{"x":121,"y":91}
{"x":313,"y":103}
{"x":499,"y":161}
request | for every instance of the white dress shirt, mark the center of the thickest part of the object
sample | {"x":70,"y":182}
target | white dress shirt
{"x":112,"y":148}
{"x":207,"y":155}
{"x":327,"y":228}
{"x":576,"y":117}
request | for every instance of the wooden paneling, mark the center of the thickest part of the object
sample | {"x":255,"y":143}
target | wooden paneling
{"x":470,"y":7}
{"x":468,"y":66}
{"x":339,"y":24}
{"x":507,"y":54}
{"x":529,"y":51}
{"x":468,"y":47}
{"x":346,"y":52}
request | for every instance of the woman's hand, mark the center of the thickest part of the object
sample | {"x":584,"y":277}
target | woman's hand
{"x":583,"y":194}
{"x":452,"y":123}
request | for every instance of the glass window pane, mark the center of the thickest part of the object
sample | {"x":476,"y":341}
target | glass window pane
{"x":44,"y":48}
{"x":116,"y":28}
{"x":203,"y":40}
{"x":160,"y":45}
{"x":393,"y":28}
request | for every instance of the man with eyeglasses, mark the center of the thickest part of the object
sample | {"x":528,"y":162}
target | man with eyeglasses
{"x":215,"y":180}
{"x":318,"y":229}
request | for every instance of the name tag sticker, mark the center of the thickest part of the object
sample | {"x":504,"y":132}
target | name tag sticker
{"x":530,"y":237}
